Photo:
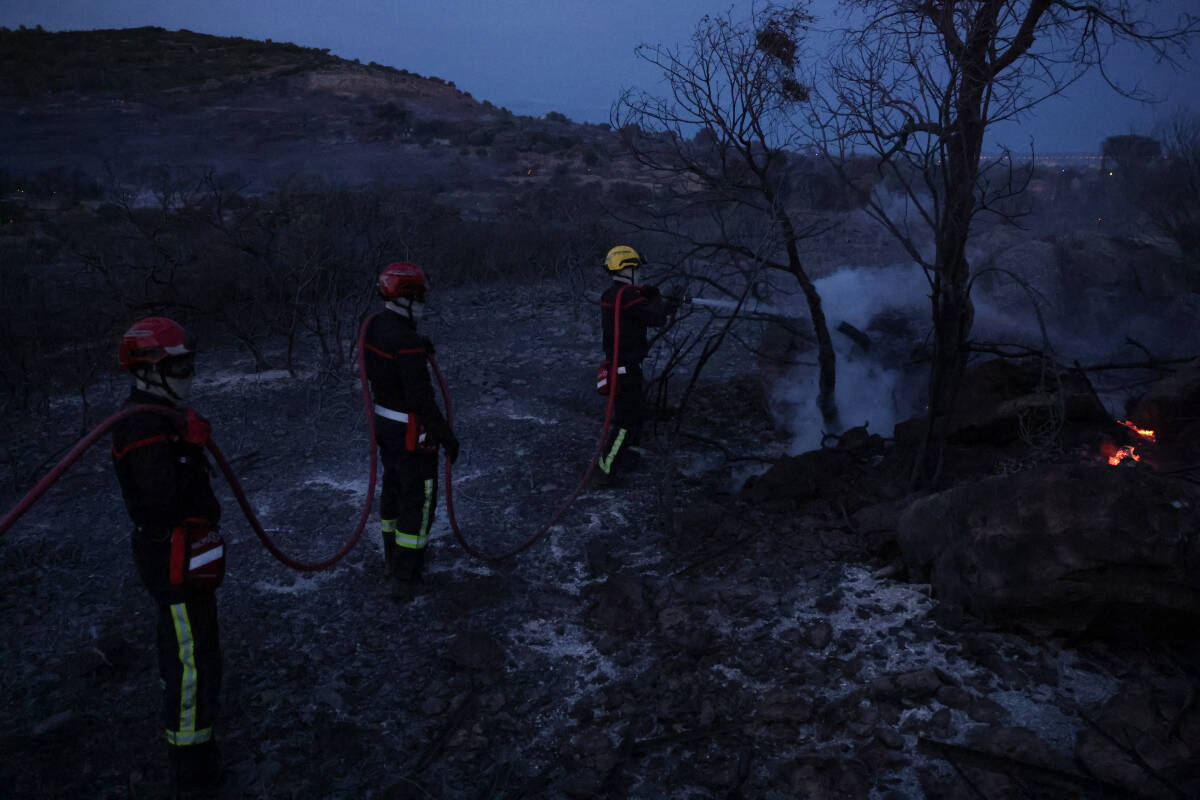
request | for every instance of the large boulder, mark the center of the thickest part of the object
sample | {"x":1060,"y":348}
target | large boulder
{"x":1169,"y":406}
{"x":1002,"y":399}
{"x":1060,"y":547}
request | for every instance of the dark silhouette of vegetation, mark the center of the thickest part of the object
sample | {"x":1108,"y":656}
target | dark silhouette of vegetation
{"x":1129,"y":152}
{"x":33,"y":61}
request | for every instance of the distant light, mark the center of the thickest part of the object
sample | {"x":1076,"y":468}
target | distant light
{"x":1110,"y":174}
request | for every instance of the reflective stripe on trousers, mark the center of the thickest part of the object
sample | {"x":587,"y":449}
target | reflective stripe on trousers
{"x":187,"y":733}
{"x":607,"y":461}
{"x":418,"y":540}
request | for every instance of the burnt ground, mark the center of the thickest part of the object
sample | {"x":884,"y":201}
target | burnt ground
{"x":706,"y":652}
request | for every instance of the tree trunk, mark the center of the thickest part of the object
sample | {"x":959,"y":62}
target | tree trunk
{"x":826,"y":360}
{"x":953,"y":312}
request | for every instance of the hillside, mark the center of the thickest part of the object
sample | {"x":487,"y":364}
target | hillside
{"x":109,"y":100}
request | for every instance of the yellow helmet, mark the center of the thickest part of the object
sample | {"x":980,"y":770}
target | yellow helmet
{"x":620,"y":257}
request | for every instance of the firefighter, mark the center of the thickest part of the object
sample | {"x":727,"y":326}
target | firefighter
{"x":642,"y":307}
{"x":409,"y":426}
{"x":164,"y":478}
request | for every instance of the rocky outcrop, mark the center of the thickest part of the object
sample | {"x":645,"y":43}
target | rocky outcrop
{"x":1002,"y":400}
{"x":1059,"y":547}
{"x":1170,"y":406}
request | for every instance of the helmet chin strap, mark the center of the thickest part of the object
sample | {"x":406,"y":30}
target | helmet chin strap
{"x":406,"y":307}
{"x":162,"y":386}
{"x":627,"y":275}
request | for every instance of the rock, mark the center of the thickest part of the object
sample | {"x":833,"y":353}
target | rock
{"x":803,"y":477}
{"x":1148,"y":725}
{"x":831,"y":602}
{"x":1057,"y":547}
{"x":828,"y":779}
{"x":889,"y":738}
{"x":997,"y":395}
{"x":700,"y":519}
{"x":476,"y":651}
{"x":877,"y":523}
{"x":953,"y":696}
{"x":785,"y":705}
{"x":619,"y":604}
{"x":433,"y":706}
{"x":1169,"y":406}
{"x":917,"y":684}
{"x":53,"y":725}
{"x":1019,"y":744}
{"x":600,"y":559}
{"x":984,"y":709}
{"x":819,"y":635}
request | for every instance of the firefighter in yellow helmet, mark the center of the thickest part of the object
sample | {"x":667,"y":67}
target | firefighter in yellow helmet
{"x":641,"y":308}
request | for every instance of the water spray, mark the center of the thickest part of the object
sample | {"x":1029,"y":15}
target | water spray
{"x":749,"y":310}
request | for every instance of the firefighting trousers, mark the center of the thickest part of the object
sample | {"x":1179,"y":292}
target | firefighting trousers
{"x":188,"y":643}
{"x":189,"y":663}
{"x":626,"y":425}
{"x":407,"y":501}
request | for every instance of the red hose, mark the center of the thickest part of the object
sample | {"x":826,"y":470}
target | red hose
{"x":177,"y":416}
{"x":562,"y":509}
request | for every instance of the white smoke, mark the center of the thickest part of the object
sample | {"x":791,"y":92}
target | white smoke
{"x":886,"y":385}
{"x":867,"y":392}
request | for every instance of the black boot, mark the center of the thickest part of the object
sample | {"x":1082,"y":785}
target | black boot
{"x":195,"y":767}
{"x":408,"y":575}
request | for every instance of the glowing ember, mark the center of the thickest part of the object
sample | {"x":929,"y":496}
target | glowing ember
{"x":1143,"y":432}
{"x":1116,"y":454}
{"x":1123,"y":453}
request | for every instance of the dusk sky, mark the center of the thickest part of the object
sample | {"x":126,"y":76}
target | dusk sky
{"x":570,"y":56}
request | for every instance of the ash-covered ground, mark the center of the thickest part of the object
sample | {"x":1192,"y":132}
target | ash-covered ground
{"x":621,"y":656}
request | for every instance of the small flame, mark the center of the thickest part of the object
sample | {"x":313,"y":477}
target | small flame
{"x":1116,"y":455}
{"x":1123,"y":453}
{"x":1143,"y":432}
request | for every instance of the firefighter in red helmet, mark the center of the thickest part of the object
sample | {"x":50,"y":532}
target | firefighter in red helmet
{"x":642,"y":307}
{"x":409,"y":426}
{"x":164,"y":478}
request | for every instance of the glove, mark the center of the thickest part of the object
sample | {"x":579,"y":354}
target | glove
{"x":651,"y":292}
{"x":196,"y":429}
{"x":450,"y":443}
{"x":427,"y":343}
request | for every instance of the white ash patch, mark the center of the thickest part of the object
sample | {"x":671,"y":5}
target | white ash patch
{"x":224,"y":380}
{"x":563,"y":641}
{"x":303,"y":584}
{"x":354,"y":485}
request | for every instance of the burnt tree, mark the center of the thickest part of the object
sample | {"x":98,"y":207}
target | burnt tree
{"x":920,"y":83}
{"x":719,"y":146}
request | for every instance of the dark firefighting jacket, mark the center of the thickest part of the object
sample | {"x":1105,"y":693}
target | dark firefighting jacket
{"x":642,"y":307}
{"x":397,"y":367}
{"x":164,"y":479}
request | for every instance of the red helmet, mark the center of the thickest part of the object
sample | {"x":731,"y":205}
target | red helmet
{"x":152,"y":339}
{"x":402,"y":279}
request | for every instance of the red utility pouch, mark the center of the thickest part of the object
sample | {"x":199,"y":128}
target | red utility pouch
{"x":416,"y":438}
{"x":197,"y":554}
{"x":602,"y":383}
